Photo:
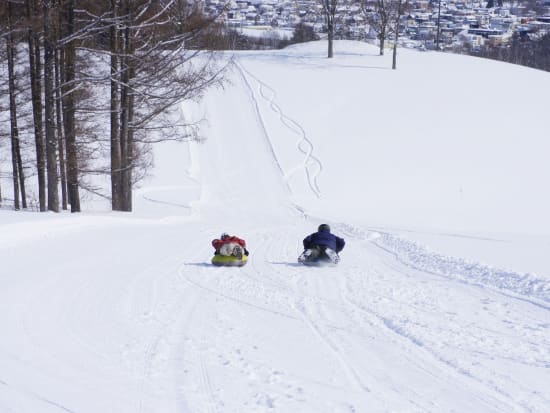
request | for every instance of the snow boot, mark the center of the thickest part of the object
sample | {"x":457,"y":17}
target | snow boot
{"x":332,"y":256}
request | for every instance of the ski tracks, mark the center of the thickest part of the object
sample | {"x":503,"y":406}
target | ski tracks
{"x":385,"y":332}
{"x":311,"y":165}
{"x":306,"y":304}
{"x":528,"y":286}
{"x":261,"y":286}
{"x":354,"y":377}
{"x":499,"y":333}
{"x":162,"y":316}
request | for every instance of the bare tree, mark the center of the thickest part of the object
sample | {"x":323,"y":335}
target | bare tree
{"x":438,"y":33}
{"x":379,"y":15}
{"x":49,"y":105}
{"x":35,"y":71}
{"x":157,"y":59}
{"x":116,"y":180}
{"x":151,"y":71}
{"x":59,"y":125}
{"x":68,"y":102}
{"x":17,"y":164}
{"x":329,"y":11}
{"x":401,"y":6}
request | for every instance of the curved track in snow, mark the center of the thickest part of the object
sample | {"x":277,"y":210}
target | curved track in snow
{"x":304,"y":145}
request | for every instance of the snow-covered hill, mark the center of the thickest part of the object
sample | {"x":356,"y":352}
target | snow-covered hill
{"x":436,"y":176}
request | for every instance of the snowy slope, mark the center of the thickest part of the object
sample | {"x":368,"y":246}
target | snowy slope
{"x":433,"y":175}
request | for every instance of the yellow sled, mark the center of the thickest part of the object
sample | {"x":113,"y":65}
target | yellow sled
{"x":229,"y":260}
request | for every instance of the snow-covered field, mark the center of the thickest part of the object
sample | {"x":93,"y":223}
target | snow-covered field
{"x":436,"y":174}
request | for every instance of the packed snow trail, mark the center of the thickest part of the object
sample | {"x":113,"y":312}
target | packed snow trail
{"x":168,"y":335}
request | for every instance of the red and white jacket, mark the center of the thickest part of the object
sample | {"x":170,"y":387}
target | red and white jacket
{"x":217,"y":243}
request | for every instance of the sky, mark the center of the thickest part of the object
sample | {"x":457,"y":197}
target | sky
{"x":435,"y":174}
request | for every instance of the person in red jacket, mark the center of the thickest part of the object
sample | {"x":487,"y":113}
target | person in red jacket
{"x":230,"y":245}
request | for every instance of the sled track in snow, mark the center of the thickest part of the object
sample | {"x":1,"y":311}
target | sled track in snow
{"x":291,"y":125}
{"x":339,"y":312}
{"x":527,"y":286}
{"x":158,"y":201}
{"x":229,"y":297}
{"x":296,"y":302}
{"x":207,"y":384}
{"x":37,"y":396}
{"x":408,"y":339}
{"x":353,"y":376}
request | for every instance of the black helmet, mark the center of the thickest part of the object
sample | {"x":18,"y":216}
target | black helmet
{"x":324,"y":227}
{"x":224,"y":236}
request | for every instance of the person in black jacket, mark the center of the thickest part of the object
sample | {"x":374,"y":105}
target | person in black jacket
{"x":322,"y":246}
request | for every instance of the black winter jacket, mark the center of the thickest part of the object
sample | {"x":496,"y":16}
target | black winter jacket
{"x":326,"y":239}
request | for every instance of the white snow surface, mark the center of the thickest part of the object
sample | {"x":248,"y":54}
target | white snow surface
{"x":436,"y":174}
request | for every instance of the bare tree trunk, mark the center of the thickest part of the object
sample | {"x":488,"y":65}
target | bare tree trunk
{"x":394,"y":56}
{"x":17,"y":162}
{"x":49,"y":108}
{"x":130,"y":151}
{"x":385,"y":11}
{"x":438,"y":25}
{"x":59,"y":127}
{"x":127,"y":108}
{"x":330,"y":40}
{"x":36,"y":92}
{"x":116,"y":181}
{"x":400,"y":9}
{"x":124,"y":115}
{"x":69,"y":109}
{"x":21,"y":174}
{"x":329,"y":8}
{"x":124,"y":119}
{"x":13,"y":111}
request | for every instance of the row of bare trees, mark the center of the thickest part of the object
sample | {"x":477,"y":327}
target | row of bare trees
{"x":384,"y":16}
{"x":91,"y":81}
